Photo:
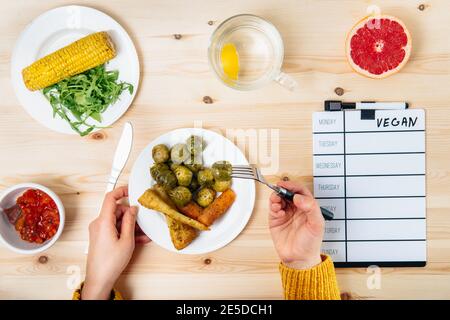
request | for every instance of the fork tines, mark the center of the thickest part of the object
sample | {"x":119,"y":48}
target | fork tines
{"x":243,"y":172}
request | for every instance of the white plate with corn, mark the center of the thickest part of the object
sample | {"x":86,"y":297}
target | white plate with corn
{"x":75,"y":70}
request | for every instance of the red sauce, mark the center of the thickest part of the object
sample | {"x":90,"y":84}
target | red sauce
{"x":40,"y":216}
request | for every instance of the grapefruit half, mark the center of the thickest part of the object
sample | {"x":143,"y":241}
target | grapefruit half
{"x":378,"y":47}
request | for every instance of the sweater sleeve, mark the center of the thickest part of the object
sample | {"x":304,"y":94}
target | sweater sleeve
{"x":115,"y":295}
{"x":317,"y":283}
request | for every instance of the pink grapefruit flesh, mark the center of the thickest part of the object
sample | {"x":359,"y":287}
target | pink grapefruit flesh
{"x":378,"y":47}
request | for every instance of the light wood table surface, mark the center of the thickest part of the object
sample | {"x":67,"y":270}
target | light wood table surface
{"x":175,"y":79}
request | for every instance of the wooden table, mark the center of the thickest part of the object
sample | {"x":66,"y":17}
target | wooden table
{"x":175,"y":79}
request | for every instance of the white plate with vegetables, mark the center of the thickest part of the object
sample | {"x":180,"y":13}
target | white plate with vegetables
{"x":75,"y":69}
{"x":187,"y":201}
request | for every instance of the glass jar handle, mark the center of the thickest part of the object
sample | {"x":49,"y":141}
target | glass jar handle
{"x":287,"y":81}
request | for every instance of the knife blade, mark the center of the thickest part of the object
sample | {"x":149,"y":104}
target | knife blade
{"x":121,"y":155}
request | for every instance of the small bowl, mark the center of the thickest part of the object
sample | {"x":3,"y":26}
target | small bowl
{"x":8,"y":234}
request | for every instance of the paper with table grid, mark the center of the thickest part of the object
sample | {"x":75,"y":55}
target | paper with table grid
{"x":371,"y":174}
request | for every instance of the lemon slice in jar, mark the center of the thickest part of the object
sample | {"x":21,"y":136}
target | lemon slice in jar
{"x":230,"y":61}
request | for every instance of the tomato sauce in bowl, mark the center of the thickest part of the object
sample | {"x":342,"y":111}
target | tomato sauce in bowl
{"x":39,"y":219}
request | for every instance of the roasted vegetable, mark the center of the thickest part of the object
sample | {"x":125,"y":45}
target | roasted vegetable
{"x":162,"y":193}
{"x":180,"y":196}
{"x":221,"y":186}
{"x":151,"y":200}
{"x":183,"y":174}
{"x":172,"y":165}
{"x":194,"y":163}
{"x":181,"y":234}
{"x":192,"y":210}
{"x":205,"y":177}
{"x":79,"y":56}
{"x":205,"y":197}
{"x":194,"y":167}
{"x":195,"y":145}
{"x":218,"y":207}
{"x":179,"y":153}
{"x":160,"y":153}
{"x":222,"y":170}
{"x":157,"y":169}
{"x":167,"y":179}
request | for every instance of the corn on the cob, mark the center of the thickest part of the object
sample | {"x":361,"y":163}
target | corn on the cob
{"x":84,"y":54}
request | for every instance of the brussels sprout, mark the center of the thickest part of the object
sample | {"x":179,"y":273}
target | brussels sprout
{"x":205,"y":177}
{"x":194,"y":185}
{"x":180,"y":195}
{"x":160,"y":153}
{"x":157,"y":168}
{"x":205,"y":197}
{"x":194,"y":167}
{"x":167,"y":179}
{"x":194,"y":163}
{"x":195,"y":145}
{"x":173,"y":166}
{"x":222,"y":170}
{"x":179,"y":153}
{"x":183,"y":174}
{"x":224,"y":164}
{"x":221,"y":186}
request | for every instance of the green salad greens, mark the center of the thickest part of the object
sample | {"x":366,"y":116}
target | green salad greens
{"x":84,"y":96}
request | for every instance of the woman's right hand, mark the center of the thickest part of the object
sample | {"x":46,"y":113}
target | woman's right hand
{"x":112,"y":238}
{"x":297,"y":227}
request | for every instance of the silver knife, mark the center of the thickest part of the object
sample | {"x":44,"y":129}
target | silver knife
{"x":120,"y":159}
{"x":121,"y":156}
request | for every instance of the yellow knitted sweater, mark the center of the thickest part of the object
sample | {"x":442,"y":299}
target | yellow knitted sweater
{"x":317,"y":283}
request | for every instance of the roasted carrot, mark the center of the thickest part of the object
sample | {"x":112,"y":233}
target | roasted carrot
{"x":217,"y":208}
{"x":192,"y":210}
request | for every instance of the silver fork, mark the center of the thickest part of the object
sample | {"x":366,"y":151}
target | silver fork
{"x":253,"y":173}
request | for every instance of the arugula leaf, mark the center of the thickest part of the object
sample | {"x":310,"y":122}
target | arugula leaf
{"x":84,"y":96}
